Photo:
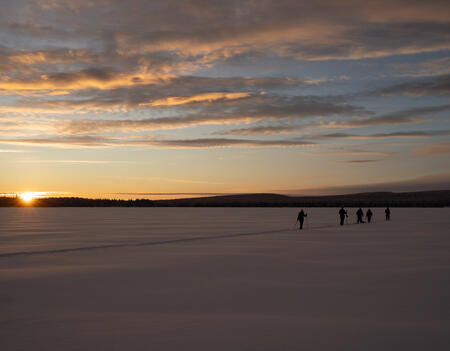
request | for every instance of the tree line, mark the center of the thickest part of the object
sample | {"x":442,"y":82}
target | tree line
{"x":378,"y":199}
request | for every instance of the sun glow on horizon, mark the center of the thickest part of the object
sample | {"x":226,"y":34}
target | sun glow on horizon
{"x":29,"y":196}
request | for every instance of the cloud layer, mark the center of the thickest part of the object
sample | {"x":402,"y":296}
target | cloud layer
{"x":310,"y":79}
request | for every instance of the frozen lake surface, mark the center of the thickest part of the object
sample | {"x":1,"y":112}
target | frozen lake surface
{"x":223,"y":279}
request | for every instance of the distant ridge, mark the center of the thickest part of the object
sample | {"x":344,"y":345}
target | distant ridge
{"x":438,"y":198}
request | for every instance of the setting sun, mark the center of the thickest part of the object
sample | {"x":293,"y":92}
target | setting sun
{"x":27,"y":197}
{"x":30,"y":196}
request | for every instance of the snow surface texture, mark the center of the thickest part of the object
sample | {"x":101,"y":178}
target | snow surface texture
{"x":223,"y":279}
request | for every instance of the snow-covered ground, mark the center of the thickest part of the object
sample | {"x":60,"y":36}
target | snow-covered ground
{"x":223,"y":279}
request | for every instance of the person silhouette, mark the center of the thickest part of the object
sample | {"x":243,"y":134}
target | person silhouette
{"x":387,"y":211}
{"x":369,"y":215}
{"x":359,"y":216}
{"x":342,"y":215}
{"x":301,"y":218}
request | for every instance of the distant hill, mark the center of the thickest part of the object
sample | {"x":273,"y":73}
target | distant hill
{"x":376,"y":199}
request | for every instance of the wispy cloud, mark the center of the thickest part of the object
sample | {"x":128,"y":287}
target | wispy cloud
{"x":273,"y":129}
{"x":208,"y":97}
{"x":426,"y":68}
{"x":92,"y":141}
{"x":345,"y":151}
{"x":75,"y":161}
{"x":425,"y":87}
{"x":355,"y":162}
{"x":13,"y":151}
{"x":408,"y":116}
{"x":248,"y":109}
{"x":434,"y":149}
{"x":403,"y":117}
{"x":223,"y":142}
{"x":411,"y":134}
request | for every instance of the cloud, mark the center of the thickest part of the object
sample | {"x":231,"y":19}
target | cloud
{"x":171,"y":180}
{"x":434,"y":149}
{"x":223,"y":142}
{"x":162,"y":90}
{"x":13,"y":151}
{"x":436,"y":86}
{"x":426,"y":68}
{"x":208,"y":97}
{"x":161,"y":93}
{"x":150,"y":37}
{"x":92,"y":77}
{"x":105,"y":126}
{"x":353,"y":162}
{"x":95,"y":142}
{"x":323,"y":30}
{"x":253,"y":108}
{"x":348,"y":151}
{"x":55,"y":56}
{"x":197,"y":83}
{"x":371,"y":40}
{"x":137,"y":65}
{"x":411,"y":134}
{"x":224,"y":108}
{"x":221,"y":111}
{"x":17,"y":125}
{"x":279,"y":129}
{"x":74,"y":161}
{"x":408,"y":116}
{"x":63,"y":142}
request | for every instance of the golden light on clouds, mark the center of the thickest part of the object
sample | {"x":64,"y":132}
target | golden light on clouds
{"x":207,"y":97}
{"x":244,"y":95}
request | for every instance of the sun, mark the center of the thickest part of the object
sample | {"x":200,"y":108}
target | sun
{"x":27,"y":197}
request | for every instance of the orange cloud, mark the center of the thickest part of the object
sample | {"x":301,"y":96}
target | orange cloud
{"x":206,"y":97}
{"x":76,"y":81}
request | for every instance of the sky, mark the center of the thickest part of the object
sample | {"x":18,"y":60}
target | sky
{"x":178,"y":98}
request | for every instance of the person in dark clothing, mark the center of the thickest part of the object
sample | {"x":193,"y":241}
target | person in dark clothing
{"x":301,"y":218}
{"x":387,"y":211}
{"x":369,"y":215}
{"x":342,"y":215}
{"x":359,"y":215}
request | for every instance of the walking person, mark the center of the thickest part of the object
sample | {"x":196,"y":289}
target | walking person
{"x":342,"y":215}
{"x":359,"y":216}
{"x":301,"y":218}
{"x":369,"y":215}
{"x":387,"y":211}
